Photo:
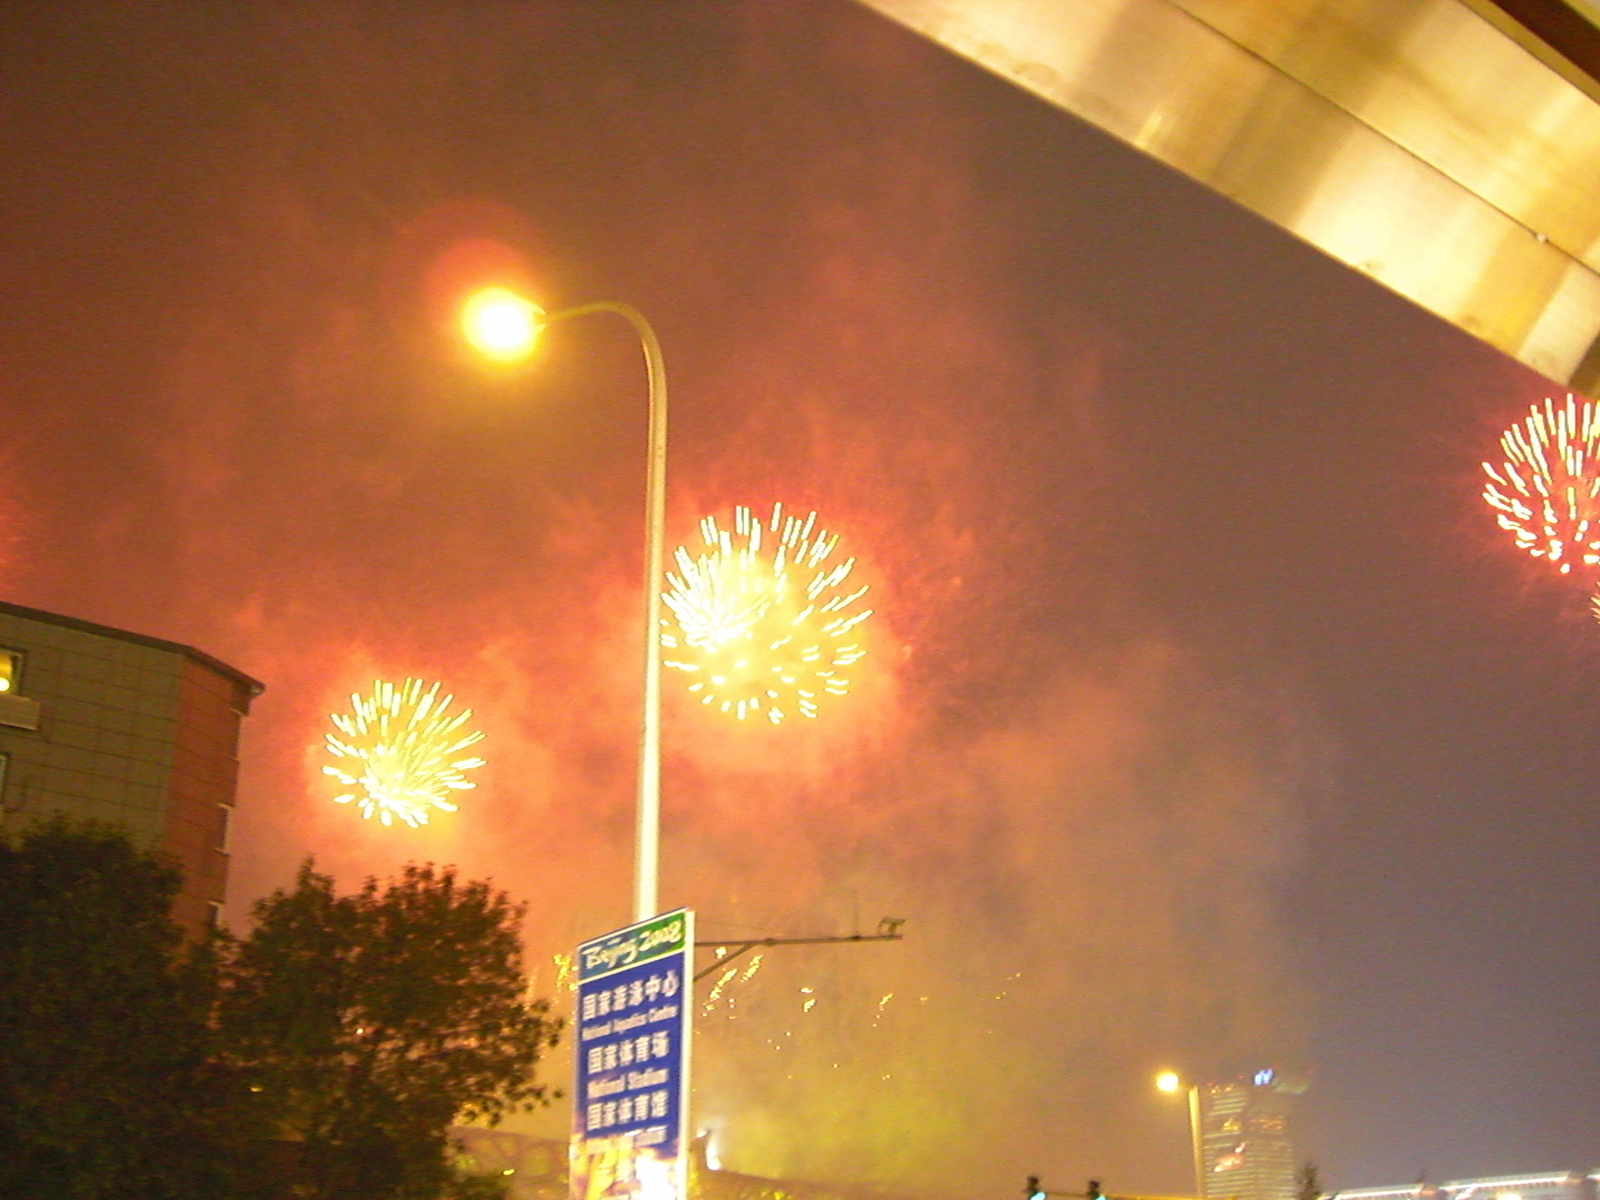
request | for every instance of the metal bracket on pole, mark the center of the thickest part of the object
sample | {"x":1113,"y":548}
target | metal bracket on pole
{"x":888,"y":931}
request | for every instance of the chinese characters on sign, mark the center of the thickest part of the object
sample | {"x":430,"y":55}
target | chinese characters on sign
{"x":630,"y":1104}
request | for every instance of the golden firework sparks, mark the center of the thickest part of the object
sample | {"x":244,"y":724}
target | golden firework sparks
{"x":1546,"y":493}
{"x":731,"y":974}
{"x":762,"y":622}
{"x":398,"y":750}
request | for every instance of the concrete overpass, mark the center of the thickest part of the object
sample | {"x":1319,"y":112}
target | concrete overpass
{"x":1449,"y":149}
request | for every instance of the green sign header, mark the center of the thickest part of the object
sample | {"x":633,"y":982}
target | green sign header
{"x":659,"y":936}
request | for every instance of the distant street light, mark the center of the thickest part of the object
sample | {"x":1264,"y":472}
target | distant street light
{"x":505,"y":327}
{"x":1169,"y":1082}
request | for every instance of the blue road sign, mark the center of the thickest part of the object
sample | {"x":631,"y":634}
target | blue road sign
{"x":630,"y":1135}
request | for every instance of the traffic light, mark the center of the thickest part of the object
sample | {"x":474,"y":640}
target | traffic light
{"x":1033,"y":1191}
{"x":1093,"y":1190}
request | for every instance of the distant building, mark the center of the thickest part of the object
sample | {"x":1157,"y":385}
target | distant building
{"x":1545,"y":1185}
{"x":136,"y":732}
{"x":1246,"y":1137}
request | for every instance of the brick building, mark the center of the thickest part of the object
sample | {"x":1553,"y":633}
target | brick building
{"x":138,"y":733}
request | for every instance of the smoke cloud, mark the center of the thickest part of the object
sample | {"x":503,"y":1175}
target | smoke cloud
{"x":1086,"y":824}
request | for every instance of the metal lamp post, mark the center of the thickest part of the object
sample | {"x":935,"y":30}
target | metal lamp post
{"x":1169,"y":1082}
{"x":505,"y":326}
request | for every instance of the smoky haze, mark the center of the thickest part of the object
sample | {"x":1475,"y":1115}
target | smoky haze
{"x":240,"y":421}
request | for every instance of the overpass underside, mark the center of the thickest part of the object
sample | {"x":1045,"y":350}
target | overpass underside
{"x":1449,"y":149}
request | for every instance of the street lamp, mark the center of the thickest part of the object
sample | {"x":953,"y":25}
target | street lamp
{"x":505,"y":327}
{"x":1169,"y":1082}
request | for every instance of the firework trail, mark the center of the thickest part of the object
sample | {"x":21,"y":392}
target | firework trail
{"x":763,"y":625}
{"x":397,"y":750}
{"x":730,"y":974}
{"x":1546,"y":493}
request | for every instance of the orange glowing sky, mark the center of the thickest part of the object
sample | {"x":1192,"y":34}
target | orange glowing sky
{"x":1206,"y":720}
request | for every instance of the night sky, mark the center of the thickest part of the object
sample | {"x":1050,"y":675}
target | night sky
{"x":1208,"y":720}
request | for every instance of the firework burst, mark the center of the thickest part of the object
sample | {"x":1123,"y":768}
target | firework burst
{"x":762,"y":623}
{"x":1546,"y":493}
{"x":398,"y":750}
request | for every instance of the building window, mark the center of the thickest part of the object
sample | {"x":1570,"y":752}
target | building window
{"x":213,"y":915}
{"x":10,"y":670}
{"x":224,"y":826}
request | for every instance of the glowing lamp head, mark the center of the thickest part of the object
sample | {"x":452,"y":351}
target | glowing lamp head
{"x":501,"y":325}
{"x":1168,"y":1081}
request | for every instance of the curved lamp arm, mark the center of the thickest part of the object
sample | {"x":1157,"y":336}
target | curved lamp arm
{"x":647,"y":828}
